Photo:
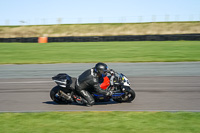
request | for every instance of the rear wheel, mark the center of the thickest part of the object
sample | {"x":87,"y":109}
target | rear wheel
{"x":129,"y":96}
{"x":55,"y":95}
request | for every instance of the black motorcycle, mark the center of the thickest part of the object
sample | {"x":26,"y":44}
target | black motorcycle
{"x":65,"y":93}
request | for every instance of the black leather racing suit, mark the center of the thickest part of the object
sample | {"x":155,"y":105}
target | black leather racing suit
{"x":87,"y":82}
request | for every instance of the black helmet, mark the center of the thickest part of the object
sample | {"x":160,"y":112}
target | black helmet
{"x":101,"y":68}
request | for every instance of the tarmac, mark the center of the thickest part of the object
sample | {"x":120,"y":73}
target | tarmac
{"x":170,"y":86}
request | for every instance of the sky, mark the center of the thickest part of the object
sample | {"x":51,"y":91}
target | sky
{"x":32,"y":12}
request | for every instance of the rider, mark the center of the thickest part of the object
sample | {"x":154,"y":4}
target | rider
{"x":88,"y":81}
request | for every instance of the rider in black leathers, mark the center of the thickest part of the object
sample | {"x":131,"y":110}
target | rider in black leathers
{"x":88,"y":81}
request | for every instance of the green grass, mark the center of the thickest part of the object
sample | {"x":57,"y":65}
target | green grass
{"x":100,"y":122}
{"x":83,"y":52}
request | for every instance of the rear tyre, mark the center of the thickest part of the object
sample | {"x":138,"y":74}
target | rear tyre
{"x":55,"y":96}
{"x":129,"y":96}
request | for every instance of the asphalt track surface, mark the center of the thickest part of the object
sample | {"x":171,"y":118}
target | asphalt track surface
{"x":158,"y":87}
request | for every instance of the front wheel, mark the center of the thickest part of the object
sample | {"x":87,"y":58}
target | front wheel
{"x":129,"y":96}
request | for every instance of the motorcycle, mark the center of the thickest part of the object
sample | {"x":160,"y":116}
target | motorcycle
{"x":65,"y":92}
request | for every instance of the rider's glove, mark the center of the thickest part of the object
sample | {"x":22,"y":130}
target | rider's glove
{"x":109,"y":93}
{"x":111,"y":71}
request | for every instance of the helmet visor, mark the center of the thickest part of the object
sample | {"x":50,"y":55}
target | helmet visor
{"x":103,"y":72}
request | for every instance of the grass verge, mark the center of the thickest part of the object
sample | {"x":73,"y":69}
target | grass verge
{"x":101,"y":29}
{"x":83,"y":52}
{"x":100,"y":122}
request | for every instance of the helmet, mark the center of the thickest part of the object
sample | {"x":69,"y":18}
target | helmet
{"x":101,"y":68}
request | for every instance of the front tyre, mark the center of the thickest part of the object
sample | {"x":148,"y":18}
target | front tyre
{"x":55,"y":96}
{"x":129,"y":96}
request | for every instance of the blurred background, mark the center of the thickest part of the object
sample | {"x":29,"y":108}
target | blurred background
{"x":87,"y":20}
{"x":64,"y":18}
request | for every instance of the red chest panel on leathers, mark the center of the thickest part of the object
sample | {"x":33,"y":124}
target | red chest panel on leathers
{"x":106,"y":83}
